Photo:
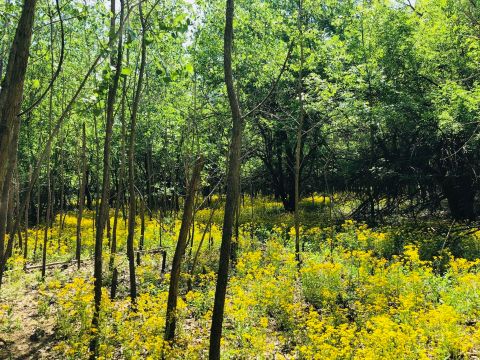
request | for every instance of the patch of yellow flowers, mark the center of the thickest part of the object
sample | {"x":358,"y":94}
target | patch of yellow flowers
{"x":345,"y":302}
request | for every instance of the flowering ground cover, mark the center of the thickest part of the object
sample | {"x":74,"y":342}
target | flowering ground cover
{"x":357,"y":294}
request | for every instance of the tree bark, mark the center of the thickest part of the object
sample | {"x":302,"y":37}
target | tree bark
{"x":149,"y":171}
{"x":233,"y":186}
{"x":47,"y":221}
{"x":11,"y":93}
{"x":141,"y":243}
{"x":37,"y":223}
{"x":49,"y":187}
{"x":103,"y":207}
{"x":298,"y":148}
{"x":120,"y":191}
{"x":187,"y":216}
{"x":27,"y":209}
{"x":131,"y":164}
{"x":8,"y":199}
{"x":81,"y":196}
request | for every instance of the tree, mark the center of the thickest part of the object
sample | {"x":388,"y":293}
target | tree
{"x":233,"y":187}
{"x":10,"y":103}
{"x":103,"y":213}
{"x":187,"y":217}
{"x":81,"y":195}
{"x":298,"y":147}
{"x":132,"y":199}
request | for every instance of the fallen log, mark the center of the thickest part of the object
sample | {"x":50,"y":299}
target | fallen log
{"x":58,"y":263}
{"x":151,"y":251}
{"x":70,"y":262}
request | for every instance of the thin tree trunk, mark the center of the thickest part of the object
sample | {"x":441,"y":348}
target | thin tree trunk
{"x":47,"y":222}
{"x":49,"y":187}
{"x":97,"y":171}
{"x":27,"y":209}
{"x":103,"y":208}
{"x":233,"y":185}
{"x":142,"y":230}
{"x":148,"y":169}
{"x":197,"y":253}
{"x":38,"y":223}
{"x":234,"y":250}
{"x":298,"y":148}
{"x":11,"y":201}
{"x":131,"y":174}
{"x":192,"y":236}
{"x":17,"y":203}
{"x":170,"y":322}
{"x":81,"y":196}
{"x":120,"y":190}
{"x":62,"y":188}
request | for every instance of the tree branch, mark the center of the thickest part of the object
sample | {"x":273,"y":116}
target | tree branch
{"x":274,"y":85}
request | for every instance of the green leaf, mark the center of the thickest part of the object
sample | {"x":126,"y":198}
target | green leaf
{"x":35,"y":84}
{"x":189,"y":68}
{"x":126,"y":72}
{"x":131,"y":35}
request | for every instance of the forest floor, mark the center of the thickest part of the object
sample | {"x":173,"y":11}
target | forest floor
{"x":403,"y":292}
{"x":32,"y":335}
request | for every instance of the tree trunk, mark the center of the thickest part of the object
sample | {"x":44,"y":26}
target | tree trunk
{"x":148,"y":169}
{"x":11,"y":93}
{"x":47,"y":222}
{"x":6,"y":200}
{"x":17,"y":204}
{"x":142,"y":230}
{"x":298,"y":148}
{"x":103,"y":208}
{"x":234,"y":249}
{"x":233,"y":186}
{"x":197,"y":253}
{"x":81,"y":197}
{"x":27,"y":209}
{"x":49,"y":187}
{"x":120,"y":191}
{"x":180,"y":251}
{"x":131,"y":164}
{"x":460,"y":194}
{"x":62,"y":190}
{"x":37,"y":223}
{"x":88,"y":193}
